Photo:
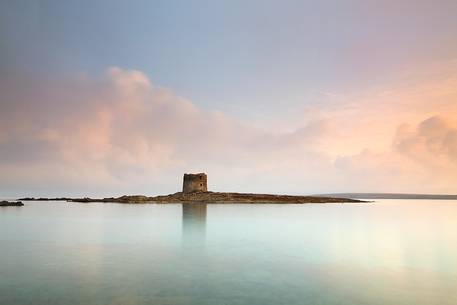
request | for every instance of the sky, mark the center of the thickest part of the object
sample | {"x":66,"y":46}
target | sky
{"x":106,"y":98}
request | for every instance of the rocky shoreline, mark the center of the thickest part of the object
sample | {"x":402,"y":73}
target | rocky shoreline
{"x":209,"y":198}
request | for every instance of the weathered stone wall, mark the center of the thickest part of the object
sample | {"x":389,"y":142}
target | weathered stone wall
{"x":195,"y":183}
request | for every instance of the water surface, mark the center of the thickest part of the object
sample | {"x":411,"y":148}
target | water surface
{"x":388,"y":252}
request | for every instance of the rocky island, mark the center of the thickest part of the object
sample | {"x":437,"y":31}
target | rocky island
{"x":195,"y":190}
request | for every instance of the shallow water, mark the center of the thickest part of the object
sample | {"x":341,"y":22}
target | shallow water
{"x":388,"y":252}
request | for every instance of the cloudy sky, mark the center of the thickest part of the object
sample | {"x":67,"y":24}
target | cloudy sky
{"x":105,"y":98}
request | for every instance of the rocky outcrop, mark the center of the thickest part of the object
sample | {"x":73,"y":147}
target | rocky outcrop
{"x":11,"y":203}
{"x":195,"y":190}
{"x":215,"y":197}
{"x":220,"y":198}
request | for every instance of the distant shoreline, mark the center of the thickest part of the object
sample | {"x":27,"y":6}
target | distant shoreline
{"x":391,"y":196}
{"x":207,"y":197}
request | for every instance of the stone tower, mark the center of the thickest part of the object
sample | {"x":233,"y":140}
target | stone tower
{"x":195,"y":183}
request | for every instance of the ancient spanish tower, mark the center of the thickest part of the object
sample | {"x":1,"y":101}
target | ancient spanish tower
{"x":195,"y":183}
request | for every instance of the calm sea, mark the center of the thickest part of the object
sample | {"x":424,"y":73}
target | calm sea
{"x":388,"y":252}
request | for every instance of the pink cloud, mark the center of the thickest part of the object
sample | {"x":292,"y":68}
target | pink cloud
{"x":122,"y":134}
{"x":434,"y":141}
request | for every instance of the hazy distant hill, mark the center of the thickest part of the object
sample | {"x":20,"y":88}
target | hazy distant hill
{"x":391,"y":196}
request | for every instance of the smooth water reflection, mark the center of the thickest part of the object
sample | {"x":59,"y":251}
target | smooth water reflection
{"x":390,"y":252}
{"x":194,"y":225}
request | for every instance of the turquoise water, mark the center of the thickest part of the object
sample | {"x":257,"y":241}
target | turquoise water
{"x":388,"y":252}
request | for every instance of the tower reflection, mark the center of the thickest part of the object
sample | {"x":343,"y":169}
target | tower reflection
{"x":194,"y":224}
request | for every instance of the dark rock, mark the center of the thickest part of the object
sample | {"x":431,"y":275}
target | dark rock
{"x":11,"y":203}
